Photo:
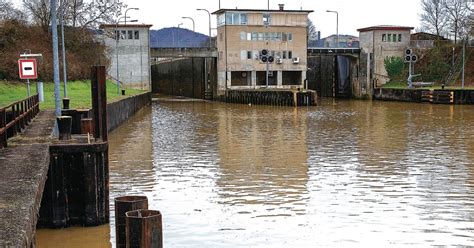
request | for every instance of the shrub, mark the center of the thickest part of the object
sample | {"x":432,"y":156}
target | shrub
{"x":394,"y":67}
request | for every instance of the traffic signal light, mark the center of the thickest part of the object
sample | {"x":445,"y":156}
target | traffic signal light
{"x":266,"y":57}
{"x":410,"y":56}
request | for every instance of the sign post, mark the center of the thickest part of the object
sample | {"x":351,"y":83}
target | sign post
{"x":28,"y":70}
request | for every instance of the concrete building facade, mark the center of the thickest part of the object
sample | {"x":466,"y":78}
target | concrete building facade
{"x":131,"y":52}
{"x":241,"y":36}
{"x":380,"y":42}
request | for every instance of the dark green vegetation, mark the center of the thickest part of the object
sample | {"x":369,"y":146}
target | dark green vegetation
{"x":82,"y":51}
{"x":439,"y":65}
{"x":78,"y":91}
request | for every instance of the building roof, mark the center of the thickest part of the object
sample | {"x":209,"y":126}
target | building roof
{"x":103,"y":26}
{"x":384,"y":27}
{"x":262,"y":11}
{"x":426,"y":36}
{"x":341,"y":36}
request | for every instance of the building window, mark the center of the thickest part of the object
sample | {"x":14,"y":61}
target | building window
{"x":394,"y":37}
{"x":254,"y":36}
{"x":249,"y":54}
{"x":260,"y":36}
{"x":278,"y":54}
{"x":290,"y":37}
{"x":389,"y":37}
{"x":399,"y":37}
{"x":130,"y":34}
{"x":284,"y":54}
{"x":243,"y":55}
{"x":243,"y":36}
{"x":384,"y":37}
{"x":234,"y":19}
{"x":123,"y":34}
{"x":221,"y":20}
{"x":266,"y":19}
{"x":290,"y":54}
{"x":137,"y":35}
{"x":267,"y":36}
{"x":249,"y":36}
{"x":243,"y":19}
{"x":278,"y":38}
{"x":284,"y":37}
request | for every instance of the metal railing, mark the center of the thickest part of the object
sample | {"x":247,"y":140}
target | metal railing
{"x":15,"y":117}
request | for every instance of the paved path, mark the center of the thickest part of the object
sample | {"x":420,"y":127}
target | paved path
{"x":23,"y":170}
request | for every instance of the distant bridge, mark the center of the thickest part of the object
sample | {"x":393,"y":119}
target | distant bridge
{"x":206,"y":52}
{"x":182,"y":52}
{"x":318,"y":51}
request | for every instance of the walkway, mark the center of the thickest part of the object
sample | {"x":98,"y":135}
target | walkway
{"x":23,"y":170}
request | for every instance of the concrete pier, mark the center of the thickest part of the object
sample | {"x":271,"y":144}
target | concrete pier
{"x":23,"y":171}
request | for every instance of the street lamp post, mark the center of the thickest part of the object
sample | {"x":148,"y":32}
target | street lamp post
{"x":126,"y":13}
{"x":337,"y":25}
{"x":117,"y":38}
{"x":185,"y":17}
{"x":179,"y":26}
{"x":63,"y":47}
{"x":209,"y":13}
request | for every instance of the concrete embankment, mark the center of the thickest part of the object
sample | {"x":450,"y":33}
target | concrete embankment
{"x":23,"y":169}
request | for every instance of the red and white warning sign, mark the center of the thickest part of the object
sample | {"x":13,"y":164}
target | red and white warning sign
{"x":27,"y":68}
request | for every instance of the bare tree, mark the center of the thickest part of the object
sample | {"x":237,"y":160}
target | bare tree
{"x":92,"y":13}
{"x":433,"y":17}
{"x":9,"y":12}
{"x":77,"y":13}
{"x":39,"y":11}
{"x":458,"y":12}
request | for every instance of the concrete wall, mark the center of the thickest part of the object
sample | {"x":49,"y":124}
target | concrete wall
{"x":373,"y":43}
{"x":118,"y":112}
{"x":133,"y":58}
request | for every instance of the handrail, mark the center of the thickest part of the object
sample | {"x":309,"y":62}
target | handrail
{"x":21,"y":113}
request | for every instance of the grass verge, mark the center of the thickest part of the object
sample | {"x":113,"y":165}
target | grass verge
{"x":78,"y":91}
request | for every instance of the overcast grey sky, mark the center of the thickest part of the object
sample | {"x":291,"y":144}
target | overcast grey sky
{"x":353,"y":14}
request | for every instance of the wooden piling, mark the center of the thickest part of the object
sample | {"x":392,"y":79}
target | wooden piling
{"x":276,"y":97}
{"x":144,"y":229}
{"x":87,"y":126}
{"x":64,"y":127}
{"x":99,"y":102}
{"x":123,"y":205}
{"x":76,"y":190}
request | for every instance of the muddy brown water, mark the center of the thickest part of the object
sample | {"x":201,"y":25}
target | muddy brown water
{"x":342,"y":174}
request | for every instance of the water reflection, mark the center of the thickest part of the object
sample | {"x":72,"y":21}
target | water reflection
{"x":343,"y":174}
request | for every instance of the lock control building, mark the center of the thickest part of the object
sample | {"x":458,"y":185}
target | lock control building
{"x":242,"y":34}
